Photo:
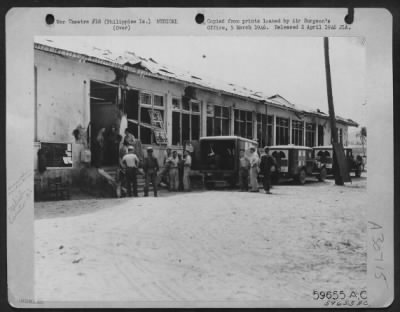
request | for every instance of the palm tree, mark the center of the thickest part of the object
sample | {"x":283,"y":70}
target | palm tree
{"x":363,"y":137}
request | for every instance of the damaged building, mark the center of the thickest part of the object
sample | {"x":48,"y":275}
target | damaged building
{"x":80,"y":90}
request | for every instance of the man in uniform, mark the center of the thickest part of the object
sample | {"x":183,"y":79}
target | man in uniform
{"x":150,"y":168}
{"x":187,"y":164}
{"x":243,"y":171}
{"x":173,"y":172}
{"x":267,"y":162}
{"x":131,"y":162}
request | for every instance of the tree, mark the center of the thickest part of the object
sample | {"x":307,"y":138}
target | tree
{"x":363,"y":137}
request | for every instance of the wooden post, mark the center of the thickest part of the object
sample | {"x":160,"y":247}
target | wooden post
{"x":339,"y":161}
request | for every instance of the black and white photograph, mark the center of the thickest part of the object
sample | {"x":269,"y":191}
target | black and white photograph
{"x":202,"y":171}
{"x":240,"y":199}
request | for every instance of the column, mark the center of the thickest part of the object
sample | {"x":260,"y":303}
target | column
{"x":290,"y":130}
{"x":86,"y":105}
{"x":203,"y":117}
{"x":254,"y":119}
{"x":316,"y":133}
{"x":168,"y":117}
{"x":274,"y":131}
{"x":304,"y":133}
{"x":232,"y":120}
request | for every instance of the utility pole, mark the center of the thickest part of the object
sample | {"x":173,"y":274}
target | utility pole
{"x":339,"y":161}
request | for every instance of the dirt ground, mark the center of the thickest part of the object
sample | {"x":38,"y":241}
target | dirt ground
{"x":203,"y":246}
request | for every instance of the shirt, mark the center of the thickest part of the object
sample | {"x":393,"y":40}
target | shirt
{"x":130,"y":139}
{"x":244,"y":162}
{"x":173,"y":162}
{"x":150,"y":164}
{"x":188,"y":161}
{"x":254,"y":160}
{"x":130,"y":160}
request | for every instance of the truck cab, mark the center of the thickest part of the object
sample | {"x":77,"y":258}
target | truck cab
{"x":219,"y":159}
{"x":296,"y":162}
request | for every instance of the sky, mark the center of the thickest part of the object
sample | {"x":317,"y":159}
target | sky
{"x":292,"y":67}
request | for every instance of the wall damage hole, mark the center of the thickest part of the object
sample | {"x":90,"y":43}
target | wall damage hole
{"x":199,"y":18}
{"x":349,"y":18}
{"x":49,"y":19}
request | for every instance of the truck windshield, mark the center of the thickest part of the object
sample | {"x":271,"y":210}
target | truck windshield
{"x":218,"y":154}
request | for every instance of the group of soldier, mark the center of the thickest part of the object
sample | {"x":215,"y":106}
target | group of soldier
{"x":175,"y":172}
{"x":253,"y":165}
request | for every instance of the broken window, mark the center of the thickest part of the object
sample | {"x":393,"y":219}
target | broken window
{"x":150,"y":106}
{"x":243,"y":123}
{"x":282,"y":131}
{"x":310,"y":134}
{"x":297,"y":132}
{"x":185,"y":121}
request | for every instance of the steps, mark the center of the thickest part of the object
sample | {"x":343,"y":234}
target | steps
{"x":110,"y":174}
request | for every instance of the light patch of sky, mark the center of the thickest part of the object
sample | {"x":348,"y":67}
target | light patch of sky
{"x":290,"y":66}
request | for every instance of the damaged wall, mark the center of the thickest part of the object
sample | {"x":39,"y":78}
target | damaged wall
{"x":63,"y":97}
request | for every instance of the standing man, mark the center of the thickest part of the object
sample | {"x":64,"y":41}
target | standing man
{"x":131,"y":162}
{"x":99,"y":148}
{"x":173,"y":162}
{"x":181,"y":163}
{"x":150,"y":168}
{"x":244,"y":167}
{"x":165,"y":171}
{"x":113,"y":140}
{"x":254,"y":169}
{"x":267,"y":162}
{"x":187,"y":164}
{"x":129,"y":138}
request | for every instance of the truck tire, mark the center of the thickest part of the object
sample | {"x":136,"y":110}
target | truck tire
{"x":322,"y":174}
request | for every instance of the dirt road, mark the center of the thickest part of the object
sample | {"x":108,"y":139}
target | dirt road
{"x":211,"y":245}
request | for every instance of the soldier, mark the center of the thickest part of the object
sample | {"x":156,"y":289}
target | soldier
{"x":131,"y":162}
{"x":150,"y":168}
{"x":243,"y":171}
{"x":187,"y":164}
{"x":173,"y":172}
{"x":266,"y":164}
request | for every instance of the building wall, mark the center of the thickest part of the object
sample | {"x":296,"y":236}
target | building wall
{"x":63,"y":102}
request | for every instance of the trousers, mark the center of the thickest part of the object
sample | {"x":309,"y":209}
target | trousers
{"x":253,"y":179}
{"x":150,"y":177}
{"x":244,"y":179}
{"x":173,"y":179}
{"x":131,"y":181}
{"x":267,"y":181}
{"x":186,"y":179}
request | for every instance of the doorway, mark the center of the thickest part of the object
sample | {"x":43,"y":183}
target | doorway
{"x":104,"y":114}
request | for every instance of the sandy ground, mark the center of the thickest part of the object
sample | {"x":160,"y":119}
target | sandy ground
{"x":209,"y":245}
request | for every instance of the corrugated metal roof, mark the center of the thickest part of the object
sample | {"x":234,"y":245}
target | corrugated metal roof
{"x":129,"y":61}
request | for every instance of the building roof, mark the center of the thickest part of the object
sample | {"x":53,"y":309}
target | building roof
{"x":131,"y":62}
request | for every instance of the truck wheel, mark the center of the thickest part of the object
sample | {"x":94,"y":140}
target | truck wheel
{"x":322,"y":174}
{"x":301,"y":178}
